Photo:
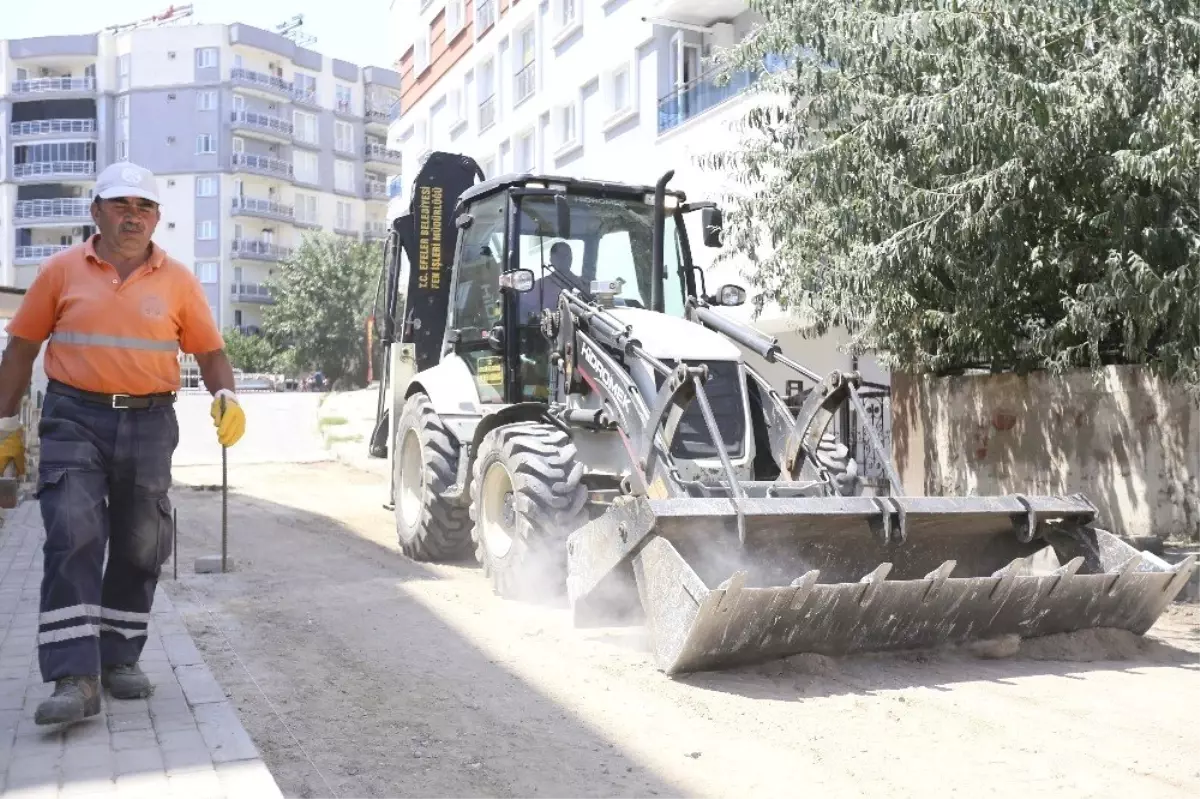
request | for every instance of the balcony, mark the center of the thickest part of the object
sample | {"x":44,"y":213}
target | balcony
{"x":261,"y":81}
{"x":524,"y":83}
{"x":54,"y":128}
{"x":62,"y":211}
{"x":375,"y":230}
{"x":306,"y":97}
{"x":42,"y":87}
{"x":487,"y":113}
{"x":264,"y":209}
{"x":698,"y":12}
{"x":63,"y":170}
{"x":343,"y":107}
{"x":375,"y":189}
{"x":36,"y":253}
{"x":262,"y":165}
{"x":251,"y":292}
{"x":255,"y":250}
{"x":377,"y":153}
{"x":692,"y":99}
{"x":273,"y":128}
{"x":376,"y":116}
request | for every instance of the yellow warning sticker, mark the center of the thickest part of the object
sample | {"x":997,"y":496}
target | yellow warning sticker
{"x":490,"y":370}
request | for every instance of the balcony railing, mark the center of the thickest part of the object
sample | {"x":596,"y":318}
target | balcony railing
{"x":377,"y":116}
{"x":66,"y":208}
{"x":375,"y":230}
{"x":52,"y":85}
{"x":38,"y":252}
{"x":262,"y":164}
{"x":523,"y":82}
{"x":375,"y":188}
{"x":305,"y":96}
{"x":264,"y":122}
{"x":70,"y":169}
{"x":380,"y":152}
{"x":260,"y":207}
{"x":698,"y":96}
{"x":487,"y":113}
{"x":261,"y":80}
{"x":343,"y":107}
{"x":250,"y":292}
{"x":259,"y":250}
{"x":45,"y":127}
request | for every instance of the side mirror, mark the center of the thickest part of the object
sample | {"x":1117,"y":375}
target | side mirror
{"x":564,"y":216}
{"x":518,"y":280}
{"x":495,"y":338}
{"x":712,"y":221}
{"x":731,"y":296}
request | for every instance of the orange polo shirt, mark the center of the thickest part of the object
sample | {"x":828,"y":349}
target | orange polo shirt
{"x":114,"y":336}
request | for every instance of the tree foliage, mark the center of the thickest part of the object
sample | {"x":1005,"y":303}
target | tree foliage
{"x":323,"y":295}
{"x":1001,"y":184}
{"x":248,"y":352}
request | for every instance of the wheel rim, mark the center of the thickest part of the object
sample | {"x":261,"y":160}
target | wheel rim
{"x":412,"y":479}
{"x":498,"y":512}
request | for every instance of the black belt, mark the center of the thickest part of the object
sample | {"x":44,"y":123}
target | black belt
{"x":118,"y":401}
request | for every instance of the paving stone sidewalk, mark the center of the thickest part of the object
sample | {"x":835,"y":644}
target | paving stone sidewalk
{"x":185,"y":741}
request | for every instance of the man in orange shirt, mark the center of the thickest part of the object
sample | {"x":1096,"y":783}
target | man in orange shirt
{"x":116,"y":310}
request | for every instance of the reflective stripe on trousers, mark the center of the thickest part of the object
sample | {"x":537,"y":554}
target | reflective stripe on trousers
{"x":103,"y":477}
{"x":120,"y":342}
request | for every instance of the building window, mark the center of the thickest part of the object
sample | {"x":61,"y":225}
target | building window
{"x":206,"y":100}
{"x":455,"y":18}
{"x":123,"y":72}
{"x":122,"y":150}
{"x":567,"y":13}
{"x":343,"y":175}
{"x":206,"y":57}
{"x":123,"y":107}
{"x":206,"y":187}
{"x":306,"y":208}
{"x":205,"y":143}
{"x":306,"y":126}
{"x":619,"y":90}
{"x":523,"y":152}
{"x":421,"y":52}
{"x":525,"y":77}
{"x":345,"y":216}
{"x":305,"y":165}
{"x":207,"y":271}
{"x":207,"y":229}
{"x":567,"y":121}
{"x":344,"y":98}
{"x":343,"y":137}
{"x":485,"y":16}
{"x":305,"y":87}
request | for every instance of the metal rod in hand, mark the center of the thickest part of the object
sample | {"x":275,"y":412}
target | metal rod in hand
{"x":224,"y":497}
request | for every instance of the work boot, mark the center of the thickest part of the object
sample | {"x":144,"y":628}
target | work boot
{"x":74,"y":699}
{"x":126,"y":681}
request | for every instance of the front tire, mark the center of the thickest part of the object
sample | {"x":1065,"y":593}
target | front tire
{"x":425,"y":463}
{"x":527,"y":497}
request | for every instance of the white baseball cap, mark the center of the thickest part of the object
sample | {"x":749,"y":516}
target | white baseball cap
{"x":126,"y":179}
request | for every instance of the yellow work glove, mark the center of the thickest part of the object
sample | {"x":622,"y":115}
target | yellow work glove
{"x":231,"y":423}
{"x":12,"y":447}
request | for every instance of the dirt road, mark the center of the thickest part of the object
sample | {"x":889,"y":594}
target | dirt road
{"x":400,"y":679}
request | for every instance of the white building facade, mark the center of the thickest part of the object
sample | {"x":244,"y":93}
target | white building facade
{"x":610,"y":89}
{"x":255,"y":140}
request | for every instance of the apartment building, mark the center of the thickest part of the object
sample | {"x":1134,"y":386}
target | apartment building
{"x":255,"y":141}
{"x":613,"y":89}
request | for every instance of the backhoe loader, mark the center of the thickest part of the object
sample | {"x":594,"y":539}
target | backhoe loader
{"x":561,"y":403}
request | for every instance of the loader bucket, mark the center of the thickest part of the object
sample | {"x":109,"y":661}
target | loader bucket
{"x":836,"y":576}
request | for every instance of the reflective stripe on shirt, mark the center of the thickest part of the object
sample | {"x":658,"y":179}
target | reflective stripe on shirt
{"x":96,"y":340}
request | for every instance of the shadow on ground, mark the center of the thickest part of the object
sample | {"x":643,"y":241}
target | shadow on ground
{"x":350,"y":685}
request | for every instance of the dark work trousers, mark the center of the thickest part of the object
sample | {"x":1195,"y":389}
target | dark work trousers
{"x":103,"y":478}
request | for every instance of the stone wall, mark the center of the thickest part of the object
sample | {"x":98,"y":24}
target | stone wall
{"x":1127,"y":440}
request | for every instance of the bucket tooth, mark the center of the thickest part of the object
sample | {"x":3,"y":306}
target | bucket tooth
{"x":1064,"y":573}
{"x":938,"y":577}
{"x":1017,"y":567}
{"x":871,"y":583}
{"x":804,"y":586}
{"x":1123,"y":573}
{"x":1183,"y":573}
{"x":732,"y":588}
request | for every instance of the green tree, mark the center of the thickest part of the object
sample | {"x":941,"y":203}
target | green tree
{"x":323,"y":295}
{"x":1000,"y":184}
{"x":248,"y":352}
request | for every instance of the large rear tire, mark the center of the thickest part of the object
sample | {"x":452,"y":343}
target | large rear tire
{"x":527,"y":497}
{"x":425,"y":463}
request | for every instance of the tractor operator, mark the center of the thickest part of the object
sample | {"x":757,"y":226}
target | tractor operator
{"x":545,"y":291}
{"x":116,"y":310}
